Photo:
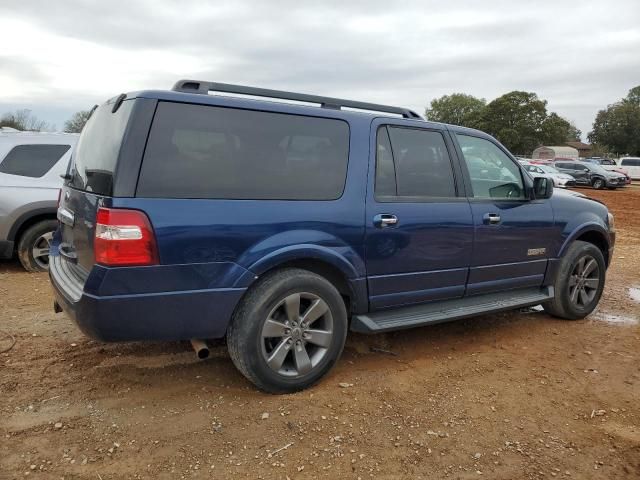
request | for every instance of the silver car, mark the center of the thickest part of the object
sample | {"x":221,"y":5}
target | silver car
{"x":559,"y":179}
{"x":30,"y":167}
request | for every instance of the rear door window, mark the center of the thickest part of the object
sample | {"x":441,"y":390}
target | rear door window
{"x":96,"y":155}
{"x":32,"y":160}
{"x":413,"y":163}
{"x":199,"y":151}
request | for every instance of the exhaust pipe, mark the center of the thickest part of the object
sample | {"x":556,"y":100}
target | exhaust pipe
{"x":201,"y":348}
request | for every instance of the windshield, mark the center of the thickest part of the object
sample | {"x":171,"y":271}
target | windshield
{"x":594,"y":167}
{"x":549,"y":169}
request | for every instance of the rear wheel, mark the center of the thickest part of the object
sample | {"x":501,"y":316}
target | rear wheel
{"x":288,"y":331}
{"x":33,"y":247}
{"x":597,"y":183}
{"x":579,"y":282}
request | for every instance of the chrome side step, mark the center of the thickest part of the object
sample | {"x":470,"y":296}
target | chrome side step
{"x":444,"y":311}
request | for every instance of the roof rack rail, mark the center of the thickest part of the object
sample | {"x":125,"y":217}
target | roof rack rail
{"x":203,"y":88}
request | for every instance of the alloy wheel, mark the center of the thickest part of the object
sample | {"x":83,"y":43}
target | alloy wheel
{"x":40,"y":250}
{"x":584,"y":281}
{"x":297,"y":334}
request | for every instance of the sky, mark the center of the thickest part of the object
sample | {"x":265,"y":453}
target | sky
{"x":57,"y":57}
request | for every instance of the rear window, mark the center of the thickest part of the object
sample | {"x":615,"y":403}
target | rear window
{"x":198,"y":151}
{"x":95,"y":157}
{"x":32,"y":160}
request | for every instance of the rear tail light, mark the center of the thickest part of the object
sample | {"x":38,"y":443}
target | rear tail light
{"x":124,"y":237}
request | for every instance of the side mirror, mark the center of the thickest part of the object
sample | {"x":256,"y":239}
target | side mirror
{"x":542,"y":187}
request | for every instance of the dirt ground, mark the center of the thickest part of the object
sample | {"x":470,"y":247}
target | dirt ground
{"x":508,"y":396}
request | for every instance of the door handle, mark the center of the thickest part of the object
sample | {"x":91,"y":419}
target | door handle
{"x":491,"y":218}
{"x":384,"y":220}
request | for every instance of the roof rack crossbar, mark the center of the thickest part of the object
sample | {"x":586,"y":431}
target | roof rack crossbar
{"x":203,"y":88}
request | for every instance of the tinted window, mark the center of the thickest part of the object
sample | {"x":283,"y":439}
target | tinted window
{"x":421,"y":162}
{"x":631,"y":162}
{"x":566,"y":166}
{"x":198,"y":151}
{"x":32,"y":160}
{"x":493,"y":174}
{"x":385,"y":169}
{"x":95,"y":157}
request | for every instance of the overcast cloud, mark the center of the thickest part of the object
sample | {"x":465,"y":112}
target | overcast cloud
{"x":57,"y":57}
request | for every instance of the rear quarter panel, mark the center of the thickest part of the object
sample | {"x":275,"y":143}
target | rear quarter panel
{"x":241,"y":239}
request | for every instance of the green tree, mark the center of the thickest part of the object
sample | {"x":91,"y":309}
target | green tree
{"x":516,"y":119}
{"x":24,"y":120}
{"x":457,"y":109}
{"x":633,"y":96}
{"x":557,"y":130}
{"x":618,"y":126}
{"x":76,"y":123}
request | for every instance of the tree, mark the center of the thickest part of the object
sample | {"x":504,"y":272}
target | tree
{"x":633,"y":96}
{"x":516,"y":119}
{"x":618,"y":126}
{"x":76,"y":123}
{"x":457,"y":109}
{"x":24,"y":120}
{"x":557,"y":130}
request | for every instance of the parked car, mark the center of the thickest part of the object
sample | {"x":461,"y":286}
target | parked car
{"x":281,"y":226}
{"x":608,"y":164}
{"x":631,"y":165}
{"x":559,"y":179}
{"x":591,"y":174}
{"x":30,"y":168}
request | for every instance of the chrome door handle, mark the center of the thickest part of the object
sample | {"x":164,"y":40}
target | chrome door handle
{"x":491,"y":218}
{"x":383,"y":220}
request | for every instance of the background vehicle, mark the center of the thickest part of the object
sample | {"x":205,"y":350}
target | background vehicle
{"x":550,"y":153}
{"x":559,"y":179}
{"x":591,"y":174}
{"x":196,"y":216}
{"x":608,"y":164}
{"x":30,"y":167}
{"x":631,"y":165}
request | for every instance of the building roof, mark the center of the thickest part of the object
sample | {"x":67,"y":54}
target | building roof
{"x":579,"y":145}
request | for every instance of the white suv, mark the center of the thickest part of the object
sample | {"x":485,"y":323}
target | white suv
{"x":631,"y":165}
{"x":30,"y":167}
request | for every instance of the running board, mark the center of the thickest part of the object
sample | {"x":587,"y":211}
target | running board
{"x":444,"y":311}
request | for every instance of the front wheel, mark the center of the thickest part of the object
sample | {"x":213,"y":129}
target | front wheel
{"x":288,"y":331}
{"x":579,"y":282}
{"x":598,"y":183}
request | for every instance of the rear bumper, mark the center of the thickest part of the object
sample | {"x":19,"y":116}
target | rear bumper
{"x":6,"y":249}
{"x":173,"y":315}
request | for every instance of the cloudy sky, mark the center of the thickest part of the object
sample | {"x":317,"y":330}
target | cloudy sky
{"x":57,"y":57}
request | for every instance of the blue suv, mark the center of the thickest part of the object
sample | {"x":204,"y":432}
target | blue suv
{"x":280,"y":221}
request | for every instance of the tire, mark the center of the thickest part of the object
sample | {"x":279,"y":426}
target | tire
{"x":33,"y":247}
{"x":598,"y":183}
{"x":276,"y":363}
{"x":569,"y":302}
